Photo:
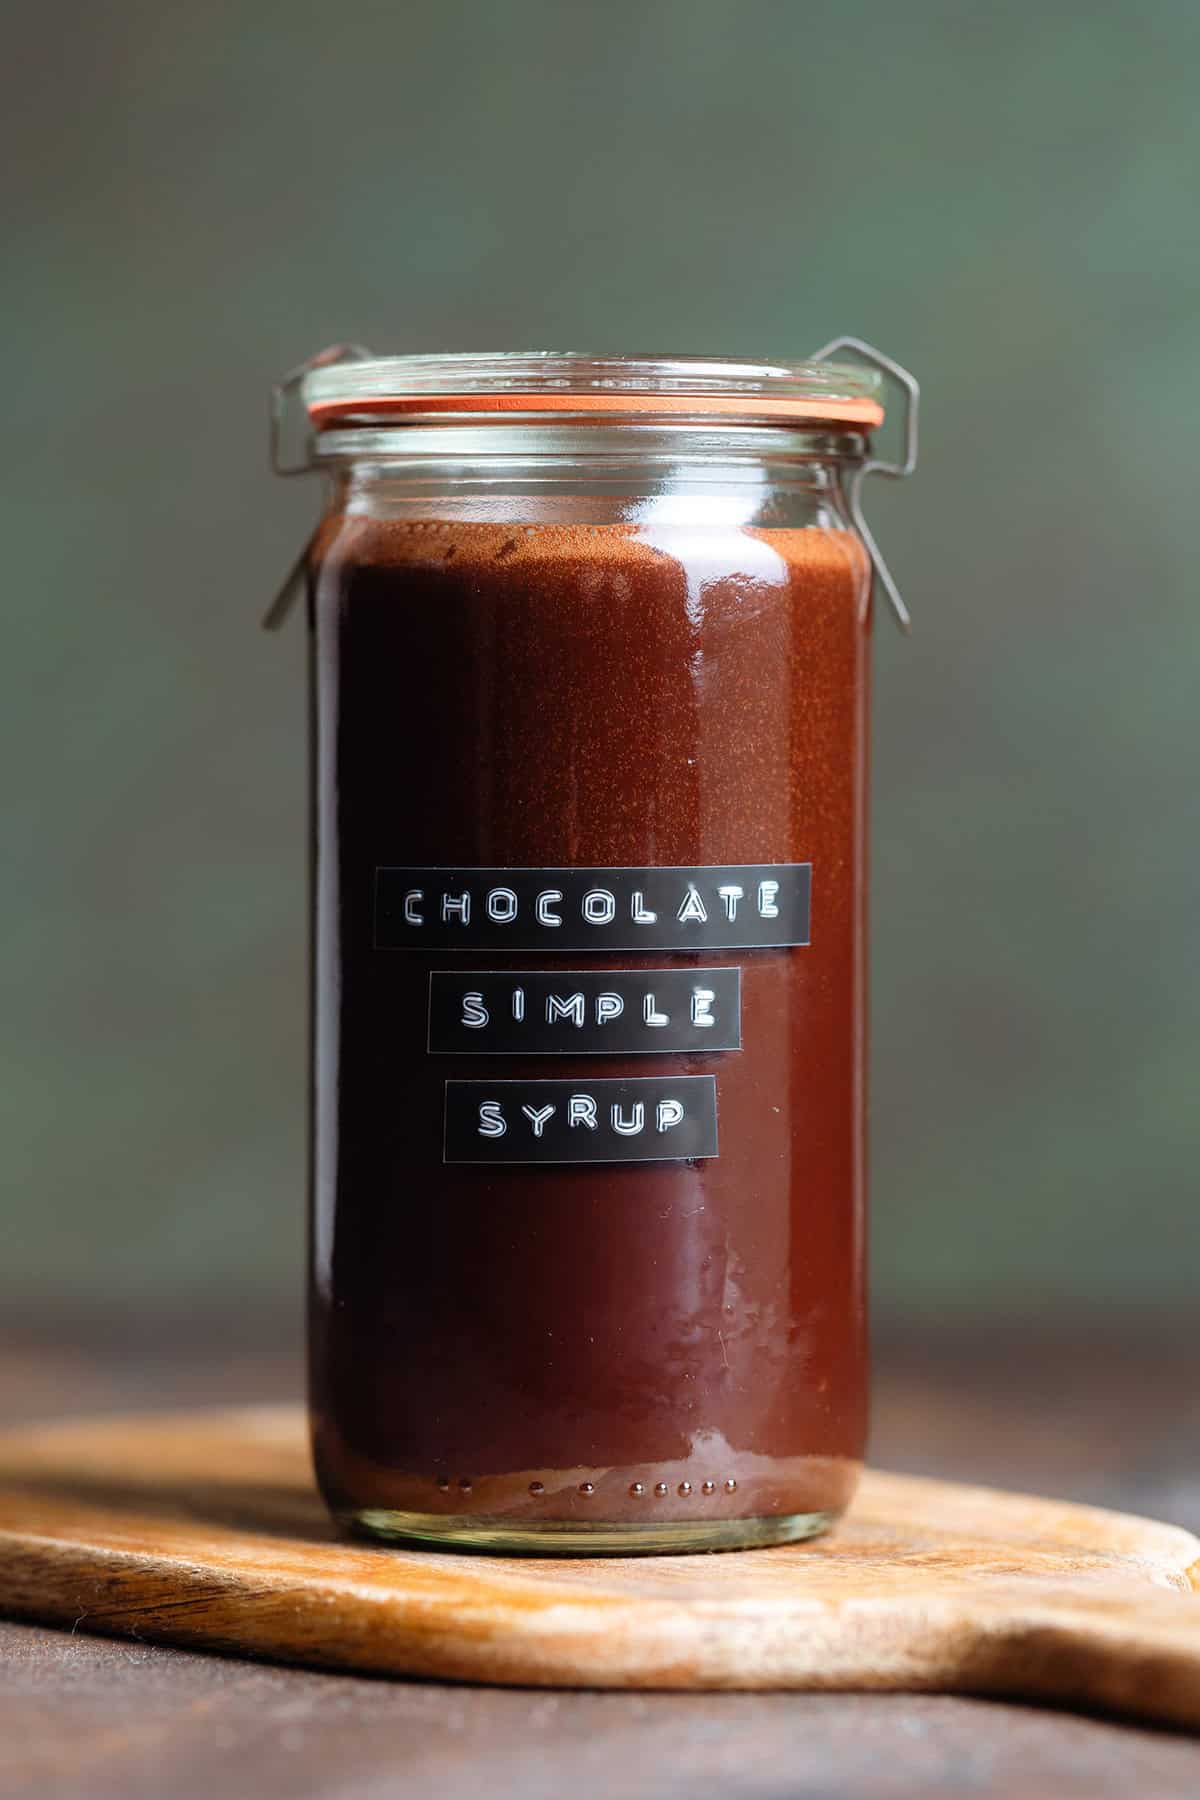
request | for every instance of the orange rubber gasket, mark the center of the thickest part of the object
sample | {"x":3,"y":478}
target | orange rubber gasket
{"x":865,"y":413}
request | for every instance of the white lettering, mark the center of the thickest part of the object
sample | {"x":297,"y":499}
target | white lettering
{"x":581,"y":1110}
{"x":599,"y":906}
{"x":491,"y":1119}
{"x":502,"y":906}
{"x":702,"y":999}
{"x":411,"y":915}
{"x":537,"y":1117}
{"x":669,"y":1113}
{"x":767,"y":891}
{"x":731,"y":896}
{"x":639,"y":912}
{"x":544,"y":915}
{"x":570,"y":1008}
{"x":608,"y":1006}
{"x":459,"y":905}
{"x":518,"y":1004}
{"x":650,"y":1013}
{"x":628,"y":1127}
{"x":692,"y":907}
{"x":474,"y":1013}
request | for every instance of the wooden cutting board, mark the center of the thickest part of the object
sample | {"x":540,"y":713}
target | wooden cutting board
{"x":204,"y":1529}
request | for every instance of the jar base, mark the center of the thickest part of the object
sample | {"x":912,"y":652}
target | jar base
{"x":565,"y":1537}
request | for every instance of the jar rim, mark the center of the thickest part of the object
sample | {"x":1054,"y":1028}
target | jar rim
{"x":401,"y":389}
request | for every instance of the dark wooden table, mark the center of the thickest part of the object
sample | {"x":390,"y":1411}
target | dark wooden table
{"x":1110,"y":1416}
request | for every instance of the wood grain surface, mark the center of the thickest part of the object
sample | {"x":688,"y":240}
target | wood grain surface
{"x":203,"y":1529}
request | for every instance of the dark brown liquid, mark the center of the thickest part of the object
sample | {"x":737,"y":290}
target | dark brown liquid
{"x":639,"y":1341}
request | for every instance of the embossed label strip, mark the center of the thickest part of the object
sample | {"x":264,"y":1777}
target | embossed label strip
{"x":645,"y":1119}
{"x":584,"y":1012}
{"x":734,"y":906}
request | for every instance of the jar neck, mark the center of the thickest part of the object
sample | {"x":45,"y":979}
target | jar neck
{"x":736,"y":475}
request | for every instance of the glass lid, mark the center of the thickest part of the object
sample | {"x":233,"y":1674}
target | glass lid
{"x":361,"y":387}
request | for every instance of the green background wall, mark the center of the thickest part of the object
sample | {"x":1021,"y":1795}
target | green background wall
{"x":1002,"y":196}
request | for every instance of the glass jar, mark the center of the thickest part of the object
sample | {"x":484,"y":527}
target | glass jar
{"x":589,"y":675}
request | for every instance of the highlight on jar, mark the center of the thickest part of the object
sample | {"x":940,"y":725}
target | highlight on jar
{"x":589,"y":645}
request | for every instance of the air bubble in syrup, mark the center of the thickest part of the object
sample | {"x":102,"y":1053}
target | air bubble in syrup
{"x":586,"y":1487}
{"x":536,"y":1487}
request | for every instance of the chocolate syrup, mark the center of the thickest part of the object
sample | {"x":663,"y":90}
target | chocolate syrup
{"x":590,"y":725}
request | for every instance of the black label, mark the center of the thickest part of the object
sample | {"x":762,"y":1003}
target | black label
{"x":735,"y":907}
{"x":576,"y":1012}
{"x":651,"y":1119}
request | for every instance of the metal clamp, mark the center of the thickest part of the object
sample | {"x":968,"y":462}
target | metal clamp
{"x":284,"y":393}
{"x":283,"y":397}
{"x":895,"y":471}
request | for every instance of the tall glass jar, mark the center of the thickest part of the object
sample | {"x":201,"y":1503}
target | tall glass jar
{"x":589,"y":676}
